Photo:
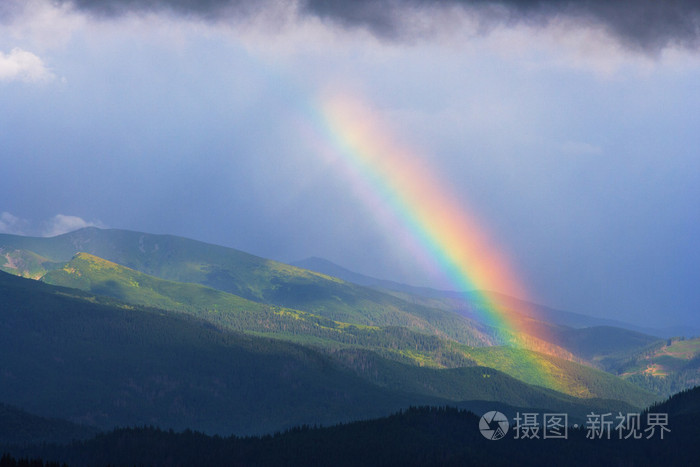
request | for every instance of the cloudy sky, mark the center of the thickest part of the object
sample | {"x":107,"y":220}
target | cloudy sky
{"x":569,"y":131}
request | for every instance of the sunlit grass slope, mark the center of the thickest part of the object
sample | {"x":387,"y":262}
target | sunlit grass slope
{"x":665,"y":367}
{"x":95,"y":360}
{"x":96,"y":275}
{"x":251,"y":277}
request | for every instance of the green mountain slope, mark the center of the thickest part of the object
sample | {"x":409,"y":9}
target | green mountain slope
{"x":88,"y":359}
{"x":665,"y":367}
{"x":25,"y":263}
{"x":183,"y":260}
{"x":95,"y":275}
{"x":588,"y":339}
{"x":487,"y":384}
{"x":403,"y":345}
{"x":98,"y":276}
{"x":311,"y":308}
{"x":270,"y":282}
{"x":597,"y":342}
{"x":251,"y":277}
{"x":70,"y":355}
{"x":590,"y":344}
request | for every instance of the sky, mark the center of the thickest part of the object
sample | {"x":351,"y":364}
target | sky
{"x":567,"y":131}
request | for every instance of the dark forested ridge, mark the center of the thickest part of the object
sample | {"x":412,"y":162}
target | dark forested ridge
{"x":423,"y":436}
{"x":18,"y":427}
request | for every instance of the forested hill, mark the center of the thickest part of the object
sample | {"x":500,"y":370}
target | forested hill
{"x":423,"y":436}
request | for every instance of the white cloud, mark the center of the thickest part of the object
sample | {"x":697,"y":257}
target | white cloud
{"x":11,"y":224}
{"x":20,"y":65}
{"x":60,"y":224}
{"x":38,"y":24}
{"x":57,"y":225}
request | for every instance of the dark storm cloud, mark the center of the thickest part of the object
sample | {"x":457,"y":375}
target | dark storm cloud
{"x":208,"y":9}
{"x":639,"y":24}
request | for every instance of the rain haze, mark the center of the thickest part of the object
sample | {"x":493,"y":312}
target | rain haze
{"x":568,"y":131}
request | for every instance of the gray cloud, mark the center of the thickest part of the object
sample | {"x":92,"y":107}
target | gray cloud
{"x":639,"y":24}
{"x":645,"y":25}
{"x":206,"y":9}
{"x":57,"y":225}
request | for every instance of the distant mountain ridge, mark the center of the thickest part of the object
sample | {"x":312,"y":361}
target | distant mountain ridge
{"x":549,"y":314}
{"x":324,"y":266}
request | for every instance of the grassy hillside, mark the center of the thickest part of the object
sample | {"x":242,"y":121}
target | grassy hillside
{"x":665,"y":367}
{"x":25,"y":263}
{"x":269,"y":282}
{"x":570,"y":377}
{"x":293,"y":304}
{"x":339,"y":339}
{"x":227,"y":311}
{"x":68,"y":354}
{"x":584,"y":337}
{"x":251,"y":277}
{"x":73,"y":356}
{"x":487,"y":384}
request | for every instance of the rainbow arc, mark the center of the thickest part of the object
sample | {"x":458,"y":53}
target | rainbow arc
{"x":392,"y":178}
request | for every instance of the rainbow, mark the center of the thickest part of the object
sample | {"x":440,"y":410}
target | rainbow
{"x":393,"y":179}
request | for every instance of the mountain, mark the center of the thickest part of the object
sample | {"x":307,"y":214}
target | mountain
{"x":97,"y":361}
{"x":70,"y":355}
{"x":456,"y":301}
{"x":581,"y":335}
{"x":247,"y":276}
{"x":155,"y":334}
{"x":419,"y":436}
{"x":339,"y":339}
{"x":331,"y":312}
{"x":597,"y":342}
{"x":329,"y":268}
{"x":25,"y":263}
{"x":665,"y":367}
{"x":269,"y":282}
{"x":19,"y":428}
{"x":228,"y":311}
